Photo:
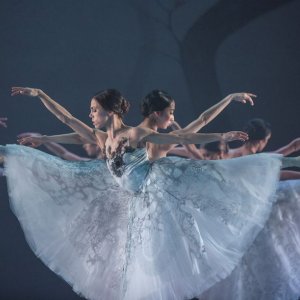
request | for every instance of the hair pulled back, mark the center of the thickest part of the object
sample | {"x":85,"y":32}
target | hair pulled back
{"x":112,"y":100}
{"x":156,"y":100}
{"x":257,"y":129}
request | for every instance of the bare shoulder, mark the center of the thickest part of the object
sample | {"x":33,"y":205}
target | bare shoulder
{"x":140,"y":132}
{"x":232,"y":153}
{"x":99,"y":133}
{"x":161,"y":148}
{"x":101,"y":137}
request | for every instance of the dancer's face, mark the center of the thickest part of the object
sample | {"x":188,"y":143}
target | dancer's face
{"x":166,"y":117}
{"x":98,"y":114}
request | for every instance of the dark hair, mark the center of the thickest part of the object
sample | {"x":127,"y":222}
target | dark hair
{"x":156,"y":100}
{"x":257,"y":129}
{"x":215,"y":147}
{"x":112,"y":100}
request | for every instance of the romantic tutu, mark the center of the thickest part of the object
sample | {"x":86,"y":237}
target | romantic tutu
{"x":135,"y":229}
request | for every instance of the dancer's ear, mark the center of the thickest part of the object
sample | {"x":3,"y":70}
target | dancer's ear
{"x":154,"y":115}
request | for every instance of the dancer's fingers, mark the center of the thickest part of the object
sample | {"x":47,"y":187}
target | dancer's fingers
{"x":252,"y":95}
{"x":249,"y":99}
{"x":15,"y":93}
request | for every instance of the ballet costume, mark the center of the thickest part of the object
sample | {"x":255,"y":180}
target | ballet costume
{"x":129,"y":228}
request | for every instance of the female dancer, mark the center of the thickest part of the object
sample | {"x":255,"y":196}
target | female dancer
{"x":259,"y":132}
{"x":288,"y":196}
{"x":189,"y":221}
{"x":158,"y":112}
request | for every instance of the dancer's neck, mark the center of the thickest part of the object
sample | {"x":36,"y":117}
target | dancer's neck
{"x":149,"y":123}
{"x":249,"y":148}
{"x":114,"y":125}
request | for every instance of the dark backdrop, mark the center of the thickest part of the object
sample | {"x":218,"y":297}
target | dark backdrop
{"x":198,"y":51}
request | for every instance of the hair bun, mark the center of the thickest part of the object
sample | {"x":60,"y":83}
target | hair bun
{"x":257,"y":129}
{"x":156,"y":100}
{"x":112,"y":100}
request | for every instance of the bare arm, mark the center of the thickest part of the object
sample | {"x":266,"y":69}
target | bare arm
{"x":60,"y":112}
{"x":147,"y":135}
{"x":36,"y":139}
{"x":191,"y":150}
{"x":215,"y":110}
{"x":68,"y":138}
{"x":288,"y":175}
{"x":292,"y":147}
{"x":63,"y":152}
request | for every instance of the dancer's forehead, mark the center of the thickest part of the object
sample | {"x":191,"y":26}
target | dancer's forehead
{"x":95,"y":104}
{"x":172,"y":105}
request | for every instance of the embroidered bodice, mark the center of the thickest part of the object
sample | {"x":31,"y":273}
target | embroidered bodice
{"x":129,"y":166}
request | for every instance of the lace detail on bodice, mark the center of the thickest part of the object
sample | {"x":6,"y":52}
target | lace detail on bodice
{"x":115,"y":159}
{"x":129,"y":166}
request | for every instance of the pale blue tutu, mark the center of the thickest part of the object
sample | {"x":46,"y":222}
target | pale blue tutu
{"x":170,"y":230}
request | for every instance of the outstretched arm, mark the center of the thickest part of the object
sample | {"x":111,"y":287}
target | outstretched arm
{"x":63,"y":152}
{"x":148,"y":135}
{"x":215,"y":110}
{"x":36,"y":139}
{"x":289,"y":175}
{"x":60,"y":112}
{"x":189,"y":150}
{"x":292,"y":147}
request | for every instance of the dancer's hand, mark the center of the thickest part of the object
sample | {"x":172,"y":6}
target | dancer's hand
{"x":16,"y":90}
{"x":30,"y":139}
{"x":243,"y":97}
{"x":3,"y":122}
{"x":235,"y":136}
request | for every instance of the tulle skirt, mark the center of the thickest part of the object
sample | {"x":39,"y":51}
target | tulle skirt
{"x":186,"y":230}
{"x":74,"y":217}
{"x":271,"y":267}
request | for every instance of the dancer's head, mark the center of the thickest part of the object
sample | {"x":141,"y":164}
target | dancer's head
{"x":259,"y":132}
{"x":159,"y":106}
{"x":215,"y":150}
{"x":105,"y":104}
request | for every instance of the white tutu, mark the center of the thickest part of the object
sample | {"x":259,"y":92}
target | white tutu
{"x":183,"y":226}
{"x":271,"y":267}
{"x":74,"y":217}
